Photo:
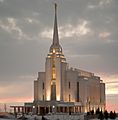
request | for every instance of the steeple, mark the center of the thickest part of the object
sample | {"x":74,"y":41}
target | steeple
{"x":55,"y":34}
{"x":55,"y":44}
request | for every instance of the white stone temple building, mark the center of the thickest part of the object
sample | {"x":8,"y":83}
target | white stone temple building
{"x":62,"y":88}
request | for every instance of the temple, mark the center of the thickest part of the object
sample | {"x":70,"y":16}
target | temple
{"x":61,"y":88}
{"x":65,"y":89}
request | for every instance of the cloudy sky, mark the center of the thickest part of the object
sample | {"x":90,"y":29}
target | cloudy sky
{"x":88,"y":31}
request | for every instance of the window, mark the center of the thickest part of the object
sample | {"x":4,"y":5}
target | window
{"x":43,"y":85}
{"x":69,"y":85}
{"x":53,"y":92}
{"x":53,"y":50}
{"x":43,"y":97}
{"x":77,"y":91}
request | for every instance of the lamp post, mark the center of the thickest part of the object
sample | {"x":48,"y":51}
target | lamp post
{"x":53,"y":109}
{"x":34,"y":109}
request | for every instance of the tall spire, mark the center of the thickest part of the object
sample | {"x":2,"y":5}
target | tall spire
{"x":55,"y":48}
{"x":55,"y":34}
{"x":55,"y":44}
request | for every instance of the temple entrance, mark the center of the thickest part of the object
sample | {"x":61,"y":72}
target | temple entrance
{"x":42,"y":110}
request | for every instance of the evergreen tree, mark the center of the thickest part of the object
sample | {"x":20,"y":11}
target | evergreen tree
{"x":115,"y":115}
{"x":97,"y":111}
{"x":111,"y":115}
{"x":101,"y":116}
{"x":106,"y":115}
{"x":92,"y":112}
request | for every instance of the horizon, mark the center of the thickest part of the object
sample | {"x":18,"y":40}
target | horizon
{"x":109,"y":106}
{"x":26,"y":34}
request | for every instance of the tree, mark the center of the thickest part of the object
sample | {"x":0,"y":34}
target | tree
{"x":97,"y":111}
{"x":92,"y":112}
{"x":106,"y":114}
{"x":115,"y":115}
{"x":5,"y":107}
{"x":101,"y":116}
{"x":111,"y":115}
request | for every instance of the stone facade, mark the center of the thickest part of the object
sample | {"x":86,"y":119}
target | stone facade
{"x":63,"y":89}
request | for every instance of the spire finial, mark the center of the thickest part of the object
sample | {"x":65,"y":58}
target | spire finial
{"x":55,"y":34}
{"x":55,"y":44}
{"x":55,"y":6}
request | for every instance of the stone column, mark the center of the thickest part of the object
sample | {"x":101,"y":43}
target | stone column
{"x":22,"y":109}
{"x":38,"y":109}
{"x":14,"y":109}
{"x":74,"y":109}
{"x":25,"y":109}
{"x":18,"y":109}
{"x":49,"y":109}
{"x":63,"y":109}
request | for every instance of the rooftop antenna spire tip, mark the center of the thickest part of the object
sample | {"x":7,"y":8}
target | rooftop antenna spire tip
{"x":55,"y":3}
